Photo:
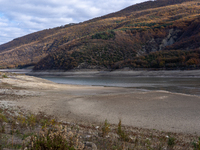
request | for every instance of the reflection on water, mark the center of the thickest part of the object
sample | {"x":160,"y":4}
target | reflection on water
{"x":179,"y":85}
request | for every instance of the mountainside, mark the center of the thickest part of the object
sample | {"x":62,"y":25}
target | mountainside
{"x":153,"y":34}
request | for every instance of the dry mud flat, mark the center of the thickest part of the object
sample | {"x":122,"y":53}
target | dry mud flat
{"x":161,"y":110}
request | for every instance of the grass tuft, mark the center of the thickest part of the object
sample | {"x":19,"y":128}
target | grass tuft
{"x":106,"y":128}
{"x":123,"y":136}
{"x":171,"y":141}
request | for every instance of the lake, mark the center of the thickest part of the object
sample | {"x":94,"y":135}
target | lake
{"x":177,"y":84}
{"x":171,"y":84}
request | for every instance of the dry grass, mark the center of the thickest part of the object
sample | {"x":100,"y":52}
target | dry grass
{"x":20,"y":130}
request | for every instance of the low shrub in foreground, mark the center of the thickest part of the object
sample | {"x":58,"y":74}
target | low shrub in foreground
{"x":4,"y":76}
{"x":197,"y":145}
{"x":105,"y":129}
{"x":55,"y":138}
{"x":123,"y":136}
{"x":171,"y":142}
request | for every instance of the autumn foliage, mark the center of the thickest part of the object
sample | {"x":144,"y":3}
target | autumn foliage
{"x":153,"y":34}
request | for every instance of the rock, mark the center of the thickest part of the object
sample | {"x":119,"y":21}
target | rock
{"x":92,"y":145}
{"x":113,"y":136}
{"x":170,"y":39}
{"x":132,"y":138}
{"x":28,"y":139}
{"x":157,"y":44}
{"x":88,"y":136}
{"x":4,"y":123}
{"x":65,"y":123}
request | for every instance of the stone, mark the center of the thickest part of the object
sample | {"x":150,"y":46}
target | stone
{"x":91,"y":145}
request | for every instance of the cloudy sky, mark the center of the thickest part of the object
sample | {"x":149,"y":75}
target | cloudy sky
{"x":21,"y":17}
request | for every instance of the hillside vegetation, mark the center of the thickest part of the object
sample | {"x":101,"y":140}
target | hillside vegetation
{"x":153,"y":34}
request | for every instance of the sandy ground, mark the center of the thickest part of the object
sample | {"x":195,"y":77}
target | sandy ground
{"x":160,"y":110}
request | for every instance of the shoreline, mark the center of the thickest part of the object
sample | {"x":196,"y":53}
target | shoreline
{"x":120,"y":72}
{"x":131,"y":73}
{"x":160,"y":110}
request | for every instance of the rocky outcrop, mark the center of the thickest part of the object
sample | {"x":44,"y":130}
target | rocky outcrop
{"x":157,"y":44}
{"x":170,"y":39}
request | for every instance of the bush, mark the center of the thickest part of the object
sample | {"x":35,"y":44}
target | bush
{"x":55,"y":139}
{"x":31,"y":119}
{"x":104,"y":35}
{"x":121,"y":132}
{"x":171,"y":141}
{"x":4,"y":76}
{"x":2,"y":120}
{"x":196,"y":145}
{"x":106,"y":128}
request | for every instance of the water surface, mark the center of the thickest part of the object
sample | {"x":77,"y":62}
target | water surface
{"x":185,"y":85}
{"x":171,"y":84}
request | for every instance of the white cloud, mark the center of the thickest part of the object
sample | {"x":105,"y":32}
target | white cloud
{"x":21,"y":17}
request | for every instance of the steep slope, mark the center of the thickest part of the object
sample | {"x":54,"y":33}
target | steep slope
{"x":27,"y":39}
{"x":33,"y":50}
{"x":144,"y":6}
{"x":165,"y":37}
{"x":117,"y":40}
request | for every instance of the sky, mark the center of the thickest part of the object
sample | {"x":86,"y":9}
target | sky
{"x":21,"y":17}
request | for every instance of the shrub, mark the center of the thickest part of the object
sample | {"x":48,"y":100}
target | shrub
{"x":121,"y":132}
{"x":171,"y":141}
{"x":4,"y":76}
{"x":2,"y":120}
{"x":104,"y":35}
{"x":22,"y":121}
{"x":56,"y":138}
{"x":196,"y":145}
{"x":31,"y":119}
{"x":106,"y":128}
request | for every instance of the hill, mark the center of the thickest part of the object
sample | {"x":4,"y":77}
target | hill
{"x":153,"y":34}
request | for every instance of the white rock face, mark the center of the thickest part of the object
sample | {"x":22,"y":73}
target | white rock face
{"x":157,"y":44}
{"x":170,"y":39}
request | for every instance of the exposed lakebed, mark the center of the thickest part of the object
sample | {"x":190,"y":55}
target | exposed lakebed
{"x":161,"y":110}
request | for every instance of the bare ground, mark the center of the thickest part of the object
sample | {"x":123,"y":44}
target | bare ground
{"x":159,"y":110}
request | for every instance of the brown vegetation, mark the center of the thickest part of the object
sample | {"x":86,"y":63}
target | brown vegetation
{"x":113,"y":40}
{"x":22,"y":130}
